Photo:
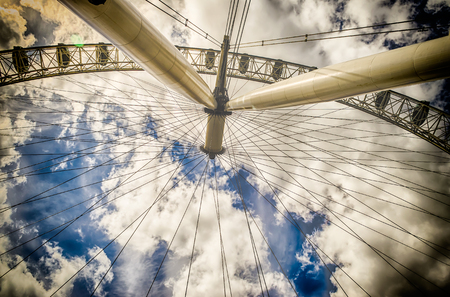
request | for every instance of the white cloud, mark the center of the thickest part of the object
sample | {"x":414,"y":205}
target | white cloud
{"x":134,"y":270}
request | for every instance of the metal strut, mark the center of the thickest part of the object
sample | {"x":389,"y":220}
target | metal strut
{"x":216,"y":117}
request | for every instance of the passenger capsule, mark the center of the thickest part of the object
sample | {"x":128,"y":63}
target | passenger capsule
{"x":243,"y":64}
{"x":210,"y":59}
{"x":420,"y":113}
{"x":277,"y":70}
{"x":102,"y":54}
{"x":63,"y":55}
{"x":20,"y":59}
{"x":382,"y":99}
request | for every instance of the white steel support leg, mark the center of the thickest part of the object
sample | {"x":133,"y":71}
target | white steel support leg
{"x":216,"y":118}
{"x":214,"y":135}
{"x":409,"y":65}
{"x":121,"y":23}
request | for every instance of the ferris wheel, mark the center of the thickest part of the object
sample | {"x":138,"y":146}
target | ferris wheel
{"x":180,"y":190}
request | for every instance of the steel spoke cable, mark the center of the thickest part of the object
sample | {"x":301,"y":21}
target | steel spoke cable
{"x":109,"y":98}
{"x":308,"y":143}
{"x":67,"y":125}
{"x":357,"y":164}
{"x":158,"y":198}
{"x":346,"y":225}
{"x":261,"y":157}
{"x":333,"y":201}
{"x":76,"y":176}
{"x":293,"y":223}
{"x":334,"y":31}
{"x":222,"y":248}
{"x":238,"y":189}
{"x":350,"y":229}
{"x":183,"y":112}
{"x":367,"y":244}
{"x":93,"y":209}
{"x":264,"y":111}
{"x":121,"y":91}
{"x":232,"y":147}
{"x":155,"y":169}
{"x":114,"y":142}
{"x":72,"y":220}
{"x":84,"y":86}
{"x":75,"y":83}
{"x":103,"y":163}
{"x":239,"y":34}
{"x":178,"y":99}
{"x":176,"y":117}
{"x":262,"y":234}
{"x":350,"y":35}
{"x":327,"y":127}
{"x":186,"y":24}
{"x":267,"y":147}
{"x":236,"y":92}
{"x":306,"y":237}
{"x":186,"y":20}
{"x":175,"y":128}
{"x":168,"y":247}
{"x":163,"y":90}
{"x":378,"y":251}
{"x":287,"y":113}
{"x":66,"y":100}
{"x":280,"y":188}
{"x":230,"y":9}
{"x":176,"y":230}
{"x":319,"y":149}
{"x":371,"y":208}
{"x":92,"y":258}
{"x":356,"y":138}
{"x":65,"y":155}
{"x":140,"y":123}
{"x":338,"y":161}
{"x":68,"y":138}
{"x":78,"y":217}
{"x":196,"y":228}
{"x":177,"y":181}
{"x":232,"y":15}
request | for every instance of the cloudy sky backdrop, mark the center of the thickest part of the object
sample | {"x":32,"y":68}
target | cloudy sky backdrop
{"x":104,"y":188}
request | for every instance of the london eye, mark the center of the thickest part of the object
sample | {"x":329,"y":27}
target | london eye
{"x":132,"y":167}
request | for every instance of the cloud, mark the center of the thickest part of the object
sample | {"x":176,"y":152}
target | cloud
{"x":13,"y":28}
{"x":320,"y":175}
{"x":27,"y":23}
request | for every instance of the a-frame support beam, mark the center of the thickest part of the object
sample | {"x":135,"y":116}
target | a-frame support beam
{"x":405,"y":66}
{"x":121,"y":23}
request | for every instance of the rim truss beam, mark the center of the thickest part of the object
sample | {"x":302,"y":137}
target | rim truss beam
{"x":417,"y":117}
{"x":399,"y":109}
{"x":26,"y":64}
{"x":124,"y":26}
{"x":413,"y":64}
{"x":249,"y":67}
{"x":48,"y":61}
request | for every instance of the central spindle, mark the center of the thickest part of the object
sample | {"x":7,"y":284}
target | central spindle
{"x":216,"y":118}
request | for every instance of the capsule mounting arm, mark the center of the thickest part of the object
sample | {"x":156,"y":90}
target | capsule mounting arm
{"x":121,"y":23}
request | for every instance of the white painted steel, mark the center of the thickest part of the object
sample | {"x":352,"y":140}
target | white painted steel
{"x":409,"y":65}
{"x":214,"y":134}
{"x":122,"y":24}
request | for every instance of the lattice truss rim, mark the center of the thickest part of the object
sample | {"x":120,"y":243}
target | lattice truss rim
{"x":24,"y":64}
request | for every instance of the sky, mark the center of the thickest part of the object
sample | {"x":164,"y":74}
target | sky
{"x":104,"y":187}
